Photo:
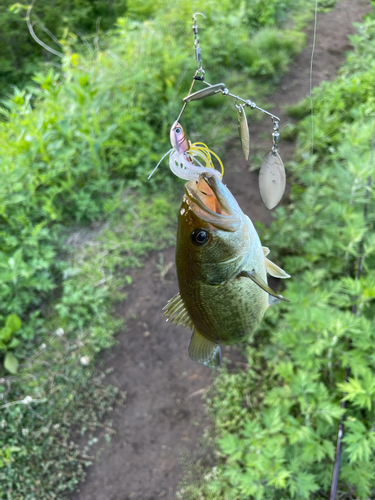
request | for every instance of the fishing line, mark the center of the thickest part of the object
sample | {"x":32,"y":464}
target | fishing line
{"x":311,"y":69}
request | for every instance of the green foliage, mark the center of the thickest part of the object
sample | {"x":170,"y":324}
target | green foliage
{"x":277,"y":422}
{"x":326,"y":5}
{"x":74,"y":24}
{"x":40,"y":454}
{"x":9,"y":341}
{"x":66,"y":393}
{"x":70,"y":146}
{"x":21,"y":56}
{"x":299,"y":110}
{"x":269,"y":52}
{"x":75,"y":149}
{"x":351,"y":95}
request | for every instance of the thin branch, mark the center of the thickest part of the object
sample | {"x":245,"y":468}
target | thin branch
{"x":197,"y":393}
{"x":26,"y":401}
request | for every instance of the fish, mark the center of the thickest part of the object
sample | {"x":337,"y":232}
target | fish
{"x":221,"y":269}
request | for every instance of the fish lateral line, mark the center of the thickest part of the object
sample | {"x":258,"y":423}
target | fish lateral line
{"x":261,"y":283}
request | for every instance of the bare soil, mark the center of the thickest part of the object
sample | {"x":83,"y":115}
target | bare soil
{"x":164,"y":412}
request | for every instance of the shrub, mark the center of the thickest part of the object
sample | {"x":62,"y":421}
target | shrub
{"x":277,"y":422}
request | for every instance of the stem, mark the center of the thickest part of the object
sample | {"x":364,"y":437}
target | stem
{"x":340,"y":435}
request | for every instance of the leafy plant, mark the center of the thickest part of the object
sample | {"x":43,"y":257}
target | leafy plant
{"x":68,"y":21}
{"x":277,"y":422}
{"x":8,"y":341}
{"x":76,"y":148}
{"x":269,"y":52}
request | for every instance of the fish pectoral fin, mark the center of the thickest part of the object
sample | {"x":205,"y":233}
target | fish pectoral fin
{"x":266,"y":251}
{"x":262,"y":284}
{"x":204,"y":351}
{"x":275,"y":270}
{"x":176,"y":312}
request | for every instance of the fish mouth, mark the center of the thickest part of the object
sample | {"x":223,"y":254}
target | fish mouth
{"x":213,"y":203}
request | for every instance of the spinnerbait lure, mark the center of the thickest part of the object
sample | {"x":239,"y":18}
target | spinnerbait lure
{"x":190,"y":160}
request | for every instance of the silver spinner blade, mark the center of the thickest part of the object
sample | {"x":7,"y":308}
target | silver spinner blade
{"x":243,"y":130}
{"x":272,"y":179}
{"x":208,"y":91}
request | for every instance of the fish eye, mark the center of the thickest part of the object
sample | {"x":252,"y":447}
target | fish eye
{"x":200,"y":237}
{"x":178,"y":130}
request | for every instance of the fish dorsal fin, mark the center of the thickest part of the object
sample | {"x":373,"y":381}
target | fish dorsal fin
{"x":261,"y":283}
{"x":176,"y":312}
{"x":266,"y":251}
{"x":275,"y":270}
{"x":204,"y":351}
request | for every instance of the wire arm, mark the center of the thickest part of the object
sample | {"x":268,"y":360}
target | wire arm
{"x":247,"y":102}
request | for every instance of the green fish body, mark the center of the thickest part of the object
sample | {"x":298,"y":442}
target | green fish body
{"x":221,"y":269}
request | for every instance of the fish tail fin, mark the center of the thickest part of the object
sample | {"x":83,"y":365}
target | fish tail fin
{"x":204,"y":351}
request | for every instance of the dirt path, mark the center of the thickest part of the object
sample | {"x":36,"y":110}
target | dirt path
{"x":164,"y":412}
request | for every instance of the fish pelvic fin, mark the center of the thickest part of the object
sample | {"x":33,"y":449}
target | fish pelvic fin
{"x":266,"y":251}
{"x":262,"y":284}
{"x":204,"y":351}
{"x":176,"y":312}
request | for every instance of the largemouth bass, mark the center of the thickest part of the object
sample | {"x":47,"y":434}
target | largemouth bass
{"x":221,"y":269}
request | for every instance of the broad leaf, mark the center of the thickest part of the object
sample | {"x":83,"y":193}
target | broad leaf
{"x":11,"y":363}
{"x":13,"y":322}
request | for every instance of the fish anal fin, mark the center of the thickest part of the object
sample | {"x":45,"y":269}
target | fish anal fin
{"x":176,"y":312}
{"x":261,"y":283}
{"x":275,"y":270}
{"x":204,"y":351}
